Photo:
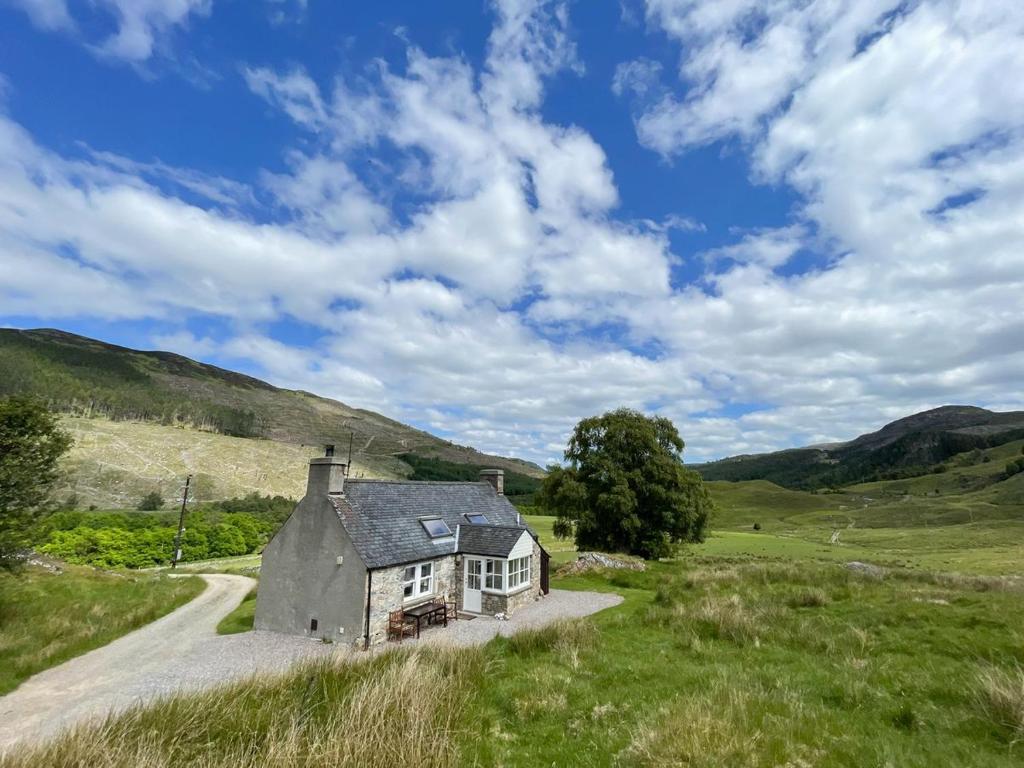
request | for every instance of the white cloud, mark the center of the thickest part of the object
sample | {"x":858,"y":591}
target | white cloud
{"x":294,"y":92}
{"x":880,"y":115}
{"x":416,"y":314}
{"x":46,"y":14}
{"x":142,"y":25}
{"x":504,"y":297}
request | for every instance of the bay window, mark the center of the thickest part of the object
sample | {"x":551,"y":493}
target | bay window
{"x":519,"y":572}
{"x":507,"y":576}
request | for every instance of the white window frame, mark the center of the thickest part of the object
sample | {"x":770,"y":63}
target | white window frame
{"x":494,"y":575}
{"x":520,"y":571}
{"x":421,"y":581}
{"x":504,"y":573}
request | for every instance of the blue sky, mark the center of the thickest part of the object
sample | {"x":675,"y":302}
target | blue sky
{"x":776,"y":223}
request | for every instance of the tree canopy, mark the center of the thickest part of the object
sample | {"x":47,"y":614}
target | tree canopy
{"x":31,"y":442}
{"x":624,"y":487}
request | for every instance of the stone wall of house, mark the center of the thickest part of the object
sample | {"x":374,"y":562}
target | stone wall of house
{"x":491,"y":604}
{"x":386,"y":593}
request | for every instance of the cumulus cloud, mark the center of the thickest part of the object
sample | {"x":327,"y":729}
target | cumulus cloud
{"x":463,"y":263}
{"x":899,"y":126}
{"x":419,"y":313}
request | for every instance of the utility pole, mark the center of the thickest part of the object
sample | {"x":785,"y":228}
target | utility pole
{"x":181,"y":525}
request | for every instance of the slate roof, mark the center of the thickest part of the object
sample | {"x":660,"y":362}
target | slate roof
{"x":383,"y":517}
{"x":488,"y":540}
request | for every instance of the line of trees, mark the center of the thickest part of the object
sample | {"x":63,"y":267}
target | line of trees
{"x":143,"y":540}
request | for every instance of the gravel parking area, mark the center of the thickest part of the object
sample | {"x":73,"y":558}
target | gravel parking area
{"x":182,"y":652}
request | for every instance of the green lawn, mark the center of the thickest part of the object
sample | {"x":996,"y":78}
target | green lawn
{"x":47,"y":618}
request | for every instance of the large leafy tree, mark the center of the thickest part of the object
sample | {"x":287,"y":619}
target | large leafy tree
{"x":31,"y":442}
{"x":624,"y":487}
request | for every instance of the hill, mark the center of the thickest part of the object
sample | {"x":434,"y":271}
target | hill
{"x":910,"y":447}
{"x":968,"y":516}
{"x":142,"y":420}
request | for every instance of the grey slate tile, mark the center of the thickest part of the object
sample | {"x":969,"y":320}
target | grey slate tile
{"x":382,"y":517}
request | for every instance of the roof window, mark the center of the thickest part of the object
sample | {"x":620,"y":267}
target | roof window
{"x":435,"y":527}
{"x":477,"y":519}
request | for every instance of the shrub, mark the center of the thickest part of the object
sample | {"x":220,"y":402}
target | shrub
{"x":1013,"y":467}
{"x":151,"y":502}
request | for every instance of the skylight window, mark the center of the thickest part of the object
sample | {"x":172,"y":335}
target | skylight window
{"x":477,"y":519}
{"x":436,"y":527}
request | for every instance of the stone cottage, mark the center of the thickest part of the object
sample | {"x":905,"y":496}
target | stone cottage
{"x":354,"y":550}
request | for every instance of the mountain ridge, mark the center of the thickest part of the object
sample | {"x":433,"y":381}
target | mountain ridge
{"x":907,"y":447}
{"x":84,"y":376}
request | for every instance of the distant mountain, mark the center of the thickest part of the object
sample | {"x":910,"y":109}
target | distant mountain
{"x":905,"y":448}
{"x":86,"y":377}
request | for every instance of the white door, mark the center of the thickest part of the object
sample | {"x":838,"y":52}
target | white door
{"x":471,"y":585}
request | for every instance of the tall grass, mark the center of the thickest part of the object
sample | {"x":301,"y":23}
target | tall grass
{"x":567,"y":638}
{"x":401,"y":708}
{"x":1001,"y":695}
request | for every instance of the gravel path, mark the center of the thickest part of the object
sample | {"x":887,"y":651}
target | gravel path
{"x":558,"y":604}
{"x":182,"y":652}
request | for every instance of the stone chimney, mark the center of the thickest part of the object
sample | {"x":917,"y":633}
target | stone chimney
{"x":495,"y":477}
{"x":326,"y":475}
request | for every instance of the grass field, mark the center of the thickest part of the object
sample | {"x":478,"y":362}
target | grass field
{"x":240,"y":619}
{"x":708,"y":662}
{"x":47,"y":618}
{"x":967,"y":518}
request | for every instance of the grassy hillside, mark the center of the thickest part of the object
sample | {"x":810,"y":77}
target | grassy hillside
{"x":47,"y":618}
{"x":909,"y":447}
{"x":968,"y":517}
{"x":85,"y":377}
{"x":112,"y":464}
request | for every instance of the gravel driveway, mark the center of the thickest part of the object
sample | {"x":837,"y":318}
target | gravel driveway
{"x":178,"y":651}
{"x":182,"y":651}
